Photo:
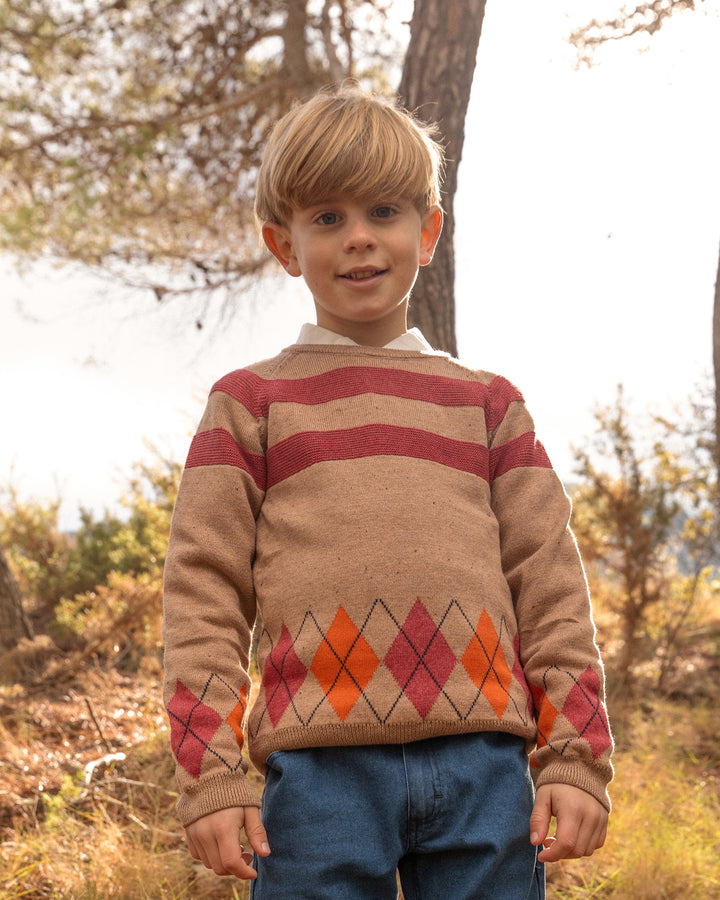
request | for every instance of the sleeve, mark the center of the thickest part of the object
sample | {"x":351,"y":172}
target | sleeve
{"x":557,"y":637}
{"x":209,"y":607}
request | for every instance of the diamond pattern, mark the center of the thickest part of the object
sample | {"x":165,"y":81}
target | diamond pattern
{"x":420,"y":659}
{"x":344,"y":664}
{"x":383,"y":653}
{"x":193,"y":725}
{"x":235,"y":719}
{"x":484,"y":661}
{"x":283,"y":676}
{"x":585,"y":711}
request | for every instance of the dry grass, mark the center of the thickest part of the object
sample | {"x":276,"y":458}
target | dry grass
{"x":664,"y":839}
{"x":87,"y":793}
{"x":73,"y":831}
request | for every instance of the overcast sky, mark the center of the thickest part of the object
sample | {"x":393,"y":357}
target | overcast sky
{"x":587,"y":236}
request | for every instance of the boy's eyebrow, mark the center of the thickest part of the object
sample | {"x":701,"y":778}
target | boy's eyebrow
{"x":370,"y":199}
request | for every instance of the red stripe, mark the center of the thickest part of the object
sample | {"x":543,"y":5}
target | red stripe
{"x":256,"y":394}
{"x":521,"y":451}
{"x":501,"y":393}
{"x":299,"y":451}
{"x":216,"y":447}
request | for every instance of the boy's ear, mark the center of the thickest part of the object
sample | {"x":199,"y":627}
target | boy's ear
{"x":432,"y":224}
{"x":277,"y":240}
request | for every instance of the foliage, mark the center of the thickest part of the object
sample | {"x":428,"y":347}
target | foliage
{"x":102,"y":586}
{"x":645,"y":527}
{"x":131,"y":130}
{"x":39,"y":555}
{"x":690,"y":437}
{"x":141,"y":541}
{"x":119,"y":619}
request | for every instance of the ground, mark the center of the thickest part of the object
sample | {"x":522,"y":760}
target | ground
{"x":87,"y":785}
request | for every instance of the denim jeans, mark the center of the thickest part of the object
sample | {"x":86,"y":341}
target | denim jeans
{"x":450,"y":814}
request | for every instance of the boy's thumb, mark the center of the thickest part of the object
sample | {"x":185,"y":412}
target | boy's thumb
{"x":255,"y":831}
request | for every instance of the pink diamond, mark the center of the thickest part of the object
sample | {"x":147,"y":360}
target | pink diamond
{"x":192,"y":727}
{"x":420,"y":659}
{"x":584,"y":709}
{"x":283,"y":676}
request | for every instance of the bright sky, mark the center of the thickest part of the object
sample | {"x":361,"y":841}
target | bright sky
{"x":587,"y":236}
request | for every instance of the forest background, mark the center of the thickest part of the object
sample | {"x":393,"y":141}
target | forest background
{"x":86,"y":786}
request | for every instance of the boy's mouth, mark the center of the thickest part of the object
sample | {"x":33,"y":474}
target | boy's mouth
{"x":362,"y":274}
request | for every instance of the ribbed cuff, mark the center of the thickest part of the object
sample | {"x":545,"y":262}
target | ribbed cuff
{"x":213,"y":794}
{"x":592,"y":781}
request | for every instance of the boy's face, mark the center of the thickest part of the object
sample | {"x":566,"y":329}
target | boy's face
{"x":360,"y":259}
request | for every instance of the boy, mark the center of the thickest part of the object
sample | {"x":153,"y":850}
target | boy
{"x":390,"y":515}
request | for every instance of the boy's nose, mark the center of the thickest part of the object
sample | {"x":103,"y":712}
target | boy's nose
{"x":359,"y":236}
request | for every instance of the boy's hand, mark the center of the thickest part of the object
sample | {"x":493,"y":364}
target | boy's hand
{"x":581,"y":822}
{"x":215,"y":840}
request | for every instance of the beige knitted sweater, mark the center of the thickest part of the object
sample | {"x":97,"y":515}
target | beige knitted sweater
{"x":396,"y":529}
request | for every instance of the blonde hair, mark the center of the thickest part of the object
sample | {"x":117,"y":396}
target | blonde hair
{"x":348,"y":142}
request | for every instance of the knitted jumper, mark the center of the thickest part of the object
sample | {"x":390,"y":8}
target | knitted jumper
{"x":399,"y":529}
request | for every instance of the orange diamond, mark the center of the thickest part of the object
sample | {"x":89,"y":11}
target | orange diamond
{"x":485,"y":663}
{"x":546,"y":715}
{"x":344,"y":664}
{"x":235,"y":719}
{"x":546,"y":720}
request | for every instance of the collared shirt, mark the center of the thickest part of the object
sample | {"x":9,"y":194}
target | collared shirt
{"x":410,"y":340}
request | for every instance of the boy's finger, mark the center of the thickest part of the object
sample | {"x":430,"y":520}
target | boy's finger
{"x":233,"y":860}
{"x":194,"y":852}
{"x":540,"y":817}
{"x":197,"y":851}
{"x":255,"y":831}
{"x":570,"y":842}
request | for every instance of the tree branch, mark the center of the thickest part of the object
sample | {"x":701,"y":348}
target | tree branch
{"x":646,"y":18}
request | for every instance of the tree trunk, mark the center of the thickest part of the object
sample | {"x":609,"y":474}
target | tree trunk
{"x":14,"y":624}
{"x":436,"y":82}
{"x":624,"y":667}
{"x":296,"y":65}
{"x":716,"y":366}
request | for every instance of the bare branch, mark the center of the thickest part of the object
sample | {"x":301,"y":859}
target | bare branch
{"x":645,"y":18}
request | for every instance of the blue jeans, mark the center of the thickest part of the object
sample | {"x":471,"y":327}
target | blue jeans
{"x":450,"y":814}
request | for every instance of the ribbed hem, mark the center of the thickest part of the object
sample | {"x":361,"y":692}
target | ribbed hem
{"x":343,"y":735}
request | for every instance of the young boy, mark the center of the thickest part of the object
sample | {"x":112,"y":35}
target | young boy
{"x":389,"y":518}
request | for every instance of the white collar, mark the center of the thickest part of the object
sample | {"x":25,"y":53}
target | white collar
{"x":410,"y":340}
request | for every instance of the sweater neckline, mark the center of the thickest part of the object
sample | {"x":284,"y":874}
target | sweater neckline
{"x":364,"y":350}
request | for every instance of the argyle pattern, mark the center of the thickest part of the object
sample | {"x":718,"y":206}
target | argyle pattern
{"x":583,"y":709}
{"x":194,"y":724}
{"x":419,"y":659}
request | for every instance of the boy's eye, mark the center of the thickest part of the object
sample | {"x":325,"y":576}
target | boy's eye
{"x":384,"y":212}
{"x":327,"y":218}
